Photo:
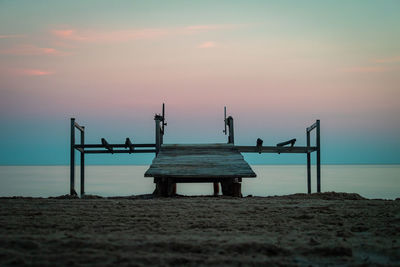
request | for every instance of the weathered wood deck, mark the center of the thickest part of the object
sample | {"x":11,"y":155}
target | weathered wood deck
{"x":199,"y":161}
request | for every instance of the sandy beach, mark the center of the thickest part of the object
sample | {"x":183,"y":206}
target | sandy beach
{"x":296,"y":230}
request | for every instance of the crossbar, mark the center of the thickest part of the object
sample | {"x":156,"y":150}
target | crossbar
{"x":312,"y":127}
{"x":80,"y":128}
{"x":119,"y":151}
{"x":276,"y":149}
{"x":113,"y":145}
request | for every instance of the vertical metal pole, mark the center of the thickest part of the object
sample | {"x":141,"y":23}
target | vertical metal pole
{"x":318,"y":157}
{"x":83,"y":163}
{"x":225,"y":120}
{"x":72,"y":160}
{"x":162,"y":125}
{"x":231,"y":137}
{"x":158,"y":140}
{"x":308,"y":164}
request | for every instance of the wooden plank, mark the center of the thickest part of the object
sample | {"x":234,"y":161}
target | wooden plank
{"x":274,"y":149}
{"x":200,"y":180}
{"x":199,"y":161}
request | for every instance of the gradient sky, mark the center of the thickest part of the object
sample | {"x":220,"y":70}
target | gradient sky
{"x":277,"y":65}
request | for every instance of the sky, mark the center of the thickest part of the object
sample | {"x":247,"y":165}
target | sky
{"x":277,"y":66}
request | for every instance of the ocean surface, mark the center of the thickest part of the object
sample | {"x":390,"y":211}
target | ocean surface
{"x":370,"y":181}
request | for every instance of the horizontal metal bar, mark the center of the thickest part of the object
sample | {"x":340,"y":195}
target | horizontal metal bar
{"x":312,"y":127}
{"x":80,"y":128}
{"x":113,"y":145}
{"x":275,"y":149}
{"x":119,"y":151}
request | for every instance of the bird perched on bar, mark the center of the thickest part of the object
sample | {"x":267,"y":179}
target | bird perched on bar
{"x":128,"y":144}
{"x":107,"y":145}
{"x":259,"y":145}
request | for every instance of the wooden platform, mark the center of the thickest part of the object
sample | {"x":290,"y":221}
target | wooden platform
{"x":199,"y":163}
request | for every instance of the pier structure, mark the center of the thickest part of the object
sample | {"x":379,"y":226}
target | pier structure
{"x":194,"y":163}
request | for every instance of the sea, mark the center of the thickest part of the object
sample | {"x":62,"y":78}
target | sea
{"x":370,"y":181}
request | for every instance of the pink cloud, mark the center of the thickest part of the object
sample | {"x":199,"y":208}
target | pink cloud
{"x":69,"y":34}
{"x":365,"y":69}
{"x":210,"y":27}
{"x":30,"y":50}
{"x":133,"y":34}
{"x":34,"y":72}
{"x":207,"y":45}
{"x":111,"y":36}
{"x":388,"y":60}
{"x":8,"y":36}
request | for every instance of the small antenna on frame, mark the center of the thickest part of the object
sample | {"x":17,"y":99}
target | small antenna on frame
{"x":163,"y":118}
{"x":224,"y":120}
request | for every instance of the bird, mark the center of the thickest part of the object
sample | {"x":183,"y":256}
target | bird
{"x":259,"y":145}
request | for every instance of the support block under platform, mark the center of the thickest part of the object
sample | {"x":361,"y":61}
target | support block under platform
{"x":232,"y":188}
{"x":166,"y":187}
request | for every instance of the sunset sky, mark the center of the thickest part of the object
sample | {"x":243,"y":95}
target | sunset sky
{"x":277,"y":66}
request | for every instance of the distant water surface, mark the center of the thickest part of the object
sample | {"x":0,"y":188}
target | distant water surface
{"x":371,"y":181}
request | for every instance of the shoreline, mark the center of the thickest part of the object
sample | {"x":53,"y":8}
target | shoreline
{"x":304,"y":196}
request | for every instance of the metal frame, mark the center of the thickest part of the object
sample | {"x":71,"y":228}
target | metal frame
{"x":282,"y":148}
{"x":106,"y":148}
{"x":316,"y":126}
{"x":74,"y":126}
{"x":129,"y":147}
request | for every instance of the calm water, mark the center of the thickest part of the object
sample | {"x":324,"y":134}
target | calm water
{"x":371,"y":181}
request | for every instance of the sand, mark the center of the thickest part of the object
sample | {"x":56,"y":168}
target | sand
{"x":297,"y":230}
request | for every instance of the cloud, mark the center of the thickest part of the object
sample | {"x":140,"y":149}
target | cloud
{"x":116,"y":36}
{"x":207,"y":45}
{"x":110,"y":36}
{"x":9,"y":36}
{"x":69,"y":34}
{"x":34,"y":72}
{"x":30,"y":50}
{"x":365,"y":69}
{"x":388,"y":60}
{"x":211,"y":27}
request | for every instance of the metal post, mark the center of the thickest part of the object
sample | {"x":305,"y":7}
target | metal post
{"x":318,"y":157}
{"x":225,"y":122}
{"x":162,"y":125}
{"x":308,"y":164}
{"x":157,"y":119}
{"x":72,"y":162}
{"x":231,"y":137}
{"x":82,"y":163}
